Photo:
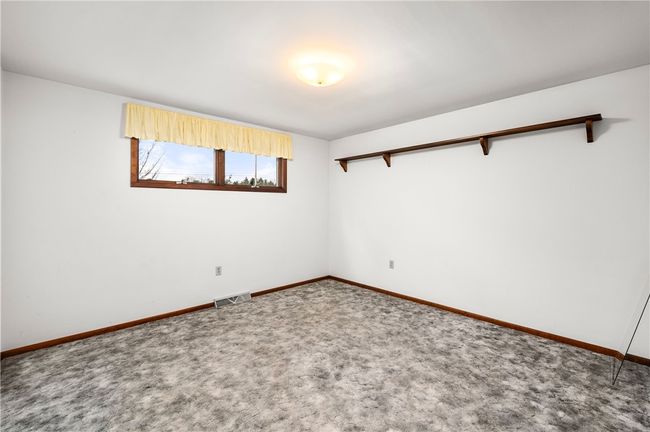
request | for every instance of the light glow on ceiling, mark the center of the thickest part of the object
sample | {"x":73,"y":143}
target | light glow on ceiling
{"x":320,"y":69}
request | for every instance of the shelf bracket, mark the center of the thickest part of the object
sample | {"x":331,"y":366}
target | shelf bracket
{"x":590,"y":131}
{"x":344,"y":165}
{"x":386,"y":157}
{"x":485,"y":145}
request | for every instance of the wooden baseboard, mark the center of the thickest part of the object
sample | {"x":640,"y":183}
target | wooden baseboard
{"x":573,"y":342}
{"x":284,"y":287}
{"x":562,"y":339}
{"x":638,"y":359}
{"x":116,"y":327}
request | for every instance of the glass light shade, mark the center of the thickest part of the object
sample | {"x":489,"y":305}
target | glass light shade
{"x":320,"y":74}
{"x":319,"y":70}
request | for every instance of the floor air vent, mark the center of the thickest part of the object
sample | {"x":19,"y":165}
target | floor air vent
{"x":225,"y":301}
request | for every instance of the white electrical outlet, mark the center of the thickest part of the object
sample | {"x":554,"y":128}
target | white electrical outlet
{"x":391,"y":264}
{"x":217,"y":271}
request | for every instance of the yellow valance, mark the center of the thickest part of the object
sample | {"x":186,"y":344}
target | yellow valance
{"x":148,"y":123}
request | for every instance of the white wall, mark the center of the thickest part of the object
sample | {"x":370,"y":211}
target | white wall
{"x":1,"y":189}
{"x":82,"y":249}
{"x":547,"y":231}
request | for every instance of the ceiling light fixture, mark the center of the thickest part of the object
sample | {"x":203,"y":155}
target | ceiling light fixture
{"x":320,"y":69}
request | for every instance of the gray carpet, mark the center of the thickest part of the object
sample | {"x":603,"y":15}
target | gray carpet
{"x":321,"y":357}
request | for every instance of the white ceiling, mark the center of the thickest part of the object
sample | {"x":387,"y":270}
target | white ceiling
{"x":412,"y":59}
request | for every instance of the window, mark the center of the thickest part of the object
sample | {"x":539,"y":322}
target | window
{"x":175,"y":162}
{"x":248,"y":169}
{"x":169,"y":165}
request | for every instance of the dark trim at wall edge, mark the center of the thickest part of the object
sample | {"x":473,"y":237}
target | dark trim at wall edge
{"x":636,"y":359}
{"x":116,"y":327}
{"x":557,"y":338}
{"x":573,"y":342}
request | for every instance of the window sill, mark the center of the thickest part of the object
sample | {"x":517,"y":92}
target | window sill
{"x":205,"y":186}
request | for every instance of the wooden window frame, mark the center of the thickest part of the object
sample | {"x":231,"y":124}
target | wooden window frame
{"x":220,"y":176}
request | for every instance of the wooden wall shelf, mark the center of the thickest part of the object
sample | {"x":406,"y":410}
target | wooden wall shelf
{"x":483,"y":139}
